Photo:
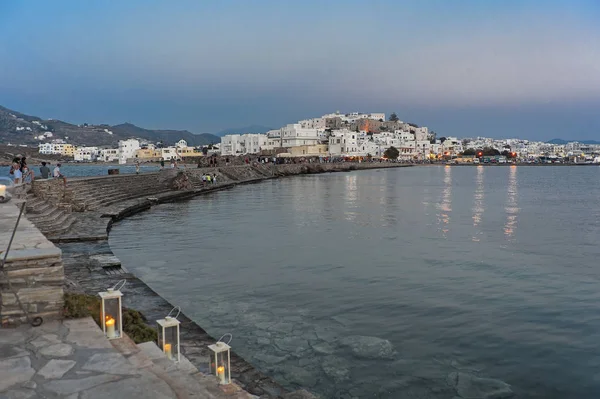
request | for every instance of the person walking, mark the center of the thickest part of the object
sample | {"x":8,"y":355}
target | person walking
{"x":44,"y":171}
{"x":204,"y":179}
{"x":137,"y":167}
{"x":162,"y":164}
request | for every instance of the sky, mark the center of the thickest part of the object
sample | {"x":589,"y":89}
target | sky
{"x":466,"y":68}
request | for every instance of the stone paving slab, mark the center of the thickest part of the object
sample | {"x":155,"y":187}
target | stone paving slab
{"x":73,"y":359}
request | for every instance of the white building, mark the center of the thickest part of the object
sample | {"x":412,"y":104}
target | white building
{"x":181,"y":144}
{"x":86,"y":154}
{"x":239,"y":144}
{"x":109,"y":155}
{"x":127,"y":149}
{"x":294,"y":134}
{"x":46,"y":148}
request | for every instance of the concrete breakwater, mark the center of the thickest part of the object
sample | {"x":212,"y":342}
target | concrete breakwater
{"x":89,"y":206}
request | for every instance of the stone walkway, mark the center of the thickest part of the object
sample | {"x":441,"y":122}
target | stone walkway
{"x":72,"y":359}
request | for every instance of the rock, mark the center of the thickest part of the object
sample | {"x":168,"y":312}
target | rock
{"x":282,"y":328}
{"x":147,"y":386}
{"x":269,"y":359}
{"x":301,"y":394}
{"x":109,"y":363}
{"x":57,"y":350}
{"x":56,"y":368}
{"x":300,"y":376}
{"x":7,"y":352}
{"x":369,"y":347}
{"x":323,"y":348}
{"x":45,"y":340}
{"x":472,"y":387}
{"x":19,"y":394}
{"x":291,"y":344}
{"x":263,"y":341}
{"x":29,"y":385}
{"x":335,"y":368}
{"x":67,"y":387}
{"x":15,"y":371}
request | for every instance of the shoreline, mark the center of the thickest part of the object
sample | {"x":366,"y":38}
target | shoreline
{"x":88,"y":257}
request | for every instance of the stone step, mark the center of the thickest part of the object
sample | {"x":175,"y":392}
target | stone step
{"x":60,"y":223}
{"x":62,"y":229}
{"x":47,"y":213}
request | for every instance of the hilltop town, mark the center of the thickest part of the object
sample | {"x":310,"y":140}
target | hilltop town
{"x":336,"y":135}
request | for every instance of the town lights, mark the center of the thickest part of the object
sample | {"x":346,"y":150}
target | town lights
{"x":220,"y":365}
{"x":111,"y":312}
{"x":168,"y":335}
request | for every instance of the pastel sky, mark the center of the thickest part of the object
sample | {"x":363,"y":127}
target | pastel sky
{"x":464,"y":68}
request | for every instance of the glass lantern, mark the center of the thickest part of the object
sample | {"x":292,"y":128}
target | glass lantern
{"x":7,"y":187}
{"x":168,"y":337}
{"x":111,"y":313}
{"x":220,"y":363}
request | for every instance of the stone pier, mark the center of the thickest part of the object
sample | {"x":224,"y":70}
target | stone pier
{"x":33,"y":271}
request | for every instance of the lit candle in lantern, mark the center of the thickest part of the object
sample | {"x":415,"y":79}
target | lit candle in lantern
{"x":110,"y":327}
{"x":221,"y":374}
{"x":168,"y":351}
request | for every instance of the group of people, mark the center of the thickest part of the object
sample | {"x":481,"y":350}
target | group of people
{"x":21,"y":173}
{"x":208,"y":179}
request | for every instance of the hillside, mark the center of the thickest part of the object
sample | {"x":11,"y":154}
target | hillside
{"x":18,"y":128}
{"x":562,"y":142}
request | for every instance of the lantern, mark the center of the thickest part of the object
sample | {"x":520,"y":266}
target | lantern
{"x":220,"y":365}
{"x":6,"y":189}
{"x":168,"y":335}
{"x":111,"y":313}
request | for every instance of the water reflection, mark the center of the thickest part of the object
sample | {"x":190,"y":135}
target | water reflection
{"x":478,"y":206}
{"x":351,"y":197}
{"x":511,"y":208}
{"x":445,"y":205}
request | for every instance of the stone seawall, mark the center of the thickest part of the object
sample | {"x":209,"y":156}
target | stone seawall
{"x":33,"y":271}
{"x":90,"y":266}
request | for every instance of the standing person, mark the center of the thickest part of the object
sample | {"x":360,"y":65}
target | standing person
{"x":44,"y":171}
{"x":26,"y":173}
{"x":172,"y":163}
{"x":214,"y":179}
{"x":137,"y":167}
{"x":208,"y":179}
{"x":15,"y":170}
{"x":204,"y":179}
{"x":58,"y":175}
{"x":162,"y":163}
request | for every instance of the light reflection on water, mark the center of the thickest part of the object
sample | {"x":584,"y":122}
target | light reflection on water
{"x":429,"y":258}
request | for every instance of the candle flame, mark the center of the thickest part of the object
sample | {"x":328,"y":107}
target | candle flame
{"x":220,"y":369}
{"x":167,"y":347}
{"x":110,"y":321}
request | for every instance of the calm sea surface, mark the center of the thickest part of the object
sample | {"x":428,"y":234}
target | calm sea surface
{"x":490,"y":272}
{"x":79,"y":170}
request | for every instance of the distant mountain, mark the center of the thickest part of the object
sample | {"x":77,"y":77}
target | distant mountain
{"x":561,"y":141}
{"x":243,"y":130}
{"x":18,"y":128}
{"x":168,"y":137}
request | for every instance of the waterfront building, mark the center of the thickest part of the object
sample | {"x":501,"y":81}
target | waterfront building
{"x":86,"y":154}
{"x":127,"y":149}
{"x":239,"y":144}
{"x":109,"y":155}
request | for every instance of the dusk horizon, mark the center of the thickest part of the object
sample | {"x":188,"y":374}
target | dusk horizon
{"x":517,"y":69}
